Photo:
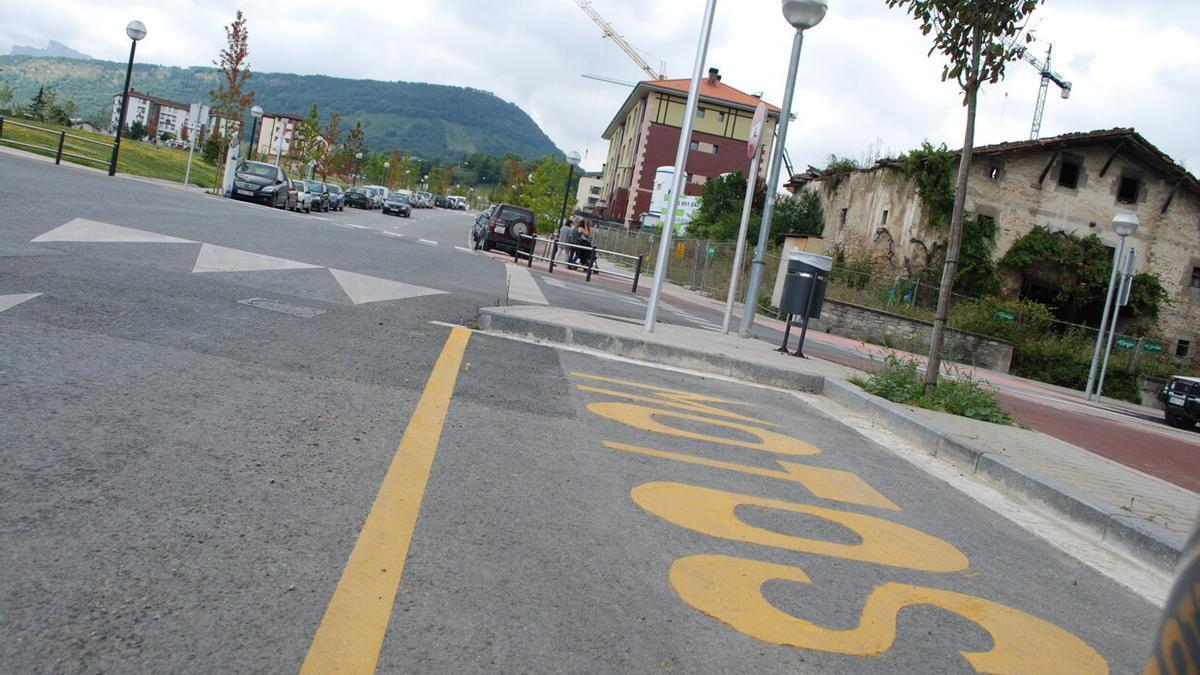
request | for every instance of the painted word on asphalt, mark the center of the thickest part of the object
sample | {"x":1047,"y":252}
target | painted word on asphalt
{"x":729,"y":588}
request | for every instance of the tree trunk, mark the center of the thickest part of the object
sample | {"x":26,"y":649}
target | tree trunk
{"x":945,"y":293}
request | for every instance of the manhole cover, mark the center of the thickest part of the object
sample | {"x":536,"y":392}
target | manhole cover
{"x":284,"y":308}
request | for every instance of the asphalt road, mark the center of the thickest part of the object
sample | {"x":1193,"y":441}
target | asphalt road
{"x":260,"y":446}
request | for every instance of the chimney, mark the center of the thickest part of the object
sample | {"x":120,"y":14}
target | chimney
{"x":714,"y":76}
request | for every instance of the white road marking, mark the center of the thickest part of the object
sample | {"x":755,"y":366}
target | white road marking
{"x":522,"y":287}
{"x":10,"y":301}
{"x":357,"y":227}
{"x":464,"y":249}
{"x":362,"y":288}
{"x":428,"y":242}
{"x":554,"y":282}
{"x":220,"y":259}
{"x":349,"y":227}
{"x":391,"y":234}
{"x":84,"y":230}
{"x":328,"y":220}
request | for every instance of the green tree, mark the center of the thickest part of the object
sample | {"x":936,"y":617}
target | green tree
{"x":232,"y":97}
{"x":211,"y":151}
{"x":798,"y":215}
{"x":40,"y":104}
{"x":136,"y":131}
{"x":6,"y":96}
{"x":540,"y":189}
{"x":327,"y":161}
{"x":720,"y":210}
{"x":308,"y":143}
{"x":933,"y":171}
{"x":977,"y":40}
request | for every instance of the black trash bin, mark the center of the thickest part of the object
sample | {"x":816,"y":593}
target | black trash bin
{"x":803,"y":292}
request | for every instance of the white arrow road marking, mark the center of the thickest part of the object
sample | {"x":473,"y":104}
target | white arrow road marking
{"x":10,"y":301}
{"x":84,"y":230}
{"x":220,"y":259}
{"x":362,"y":288}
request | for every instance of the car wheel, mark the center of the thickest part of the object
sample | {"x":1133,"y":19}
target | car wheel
{"x":1178,"y":421}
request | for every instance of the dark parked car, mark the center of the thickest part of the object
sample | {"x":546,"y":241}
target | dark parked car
{"x":336,"y":196}
{"x":260,"y":182}
{"x":320,"y":195}
{"x":505,"y":227}
{"x":358,"y":197}
{"x":397,"y":204}
{"x":441,"y":202}
{"x":1181,"y":401}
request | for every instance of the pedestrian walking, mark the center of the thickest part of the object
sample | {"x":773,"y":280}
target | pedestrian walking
{"x":566,"y":235}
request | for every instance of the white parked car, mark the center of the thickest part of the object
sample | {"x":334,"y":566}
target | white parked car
{"x":304,"y":196}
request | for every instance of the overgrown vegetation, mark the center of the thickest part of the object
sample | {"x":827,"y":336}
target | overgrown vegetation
{"x":933,"y":171}
{"x":900,"y":381}
{"x":721,"y":205}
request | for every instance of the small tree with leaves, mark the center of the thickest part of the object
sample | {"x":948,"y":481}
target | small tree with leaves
{"x":327,"y":160}
{"x":232,"y":96}
{"x":977,"y":39}
{"x":308,"y":144}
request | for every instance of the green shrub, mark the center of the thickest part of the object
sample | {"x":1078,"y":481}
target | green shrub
{"x":1065,"y":361}
{"x":1032,"y":319}
{"x":901,"y":382}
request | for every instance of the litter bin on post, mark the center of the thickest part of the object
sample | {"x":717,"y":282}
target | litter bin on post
{"x":803,"y":293}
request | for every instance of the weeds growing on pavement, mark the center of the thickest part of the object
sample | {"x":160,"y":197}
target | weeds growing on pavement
{"x":900,"y":381}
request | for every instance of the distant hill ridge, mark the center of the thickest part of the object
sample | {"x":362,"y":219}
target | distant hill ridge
{"x":53,"y":48}
{"x":430,"y":120}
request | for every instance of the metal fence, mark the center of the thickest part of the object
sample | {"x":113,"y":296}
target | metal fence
{"x":61,"y":143}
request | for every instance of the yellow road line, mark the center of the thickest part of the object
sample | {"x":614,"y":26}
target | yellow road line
{"x":356,"y":620}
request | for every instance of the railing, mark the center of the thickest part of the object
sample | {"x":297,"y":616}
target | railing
{"x":551,"y":247}
{"x":60,"y":150}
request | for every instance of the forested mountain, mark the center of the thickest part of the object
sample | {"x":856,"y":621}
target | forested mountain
{"x":429,"y":120}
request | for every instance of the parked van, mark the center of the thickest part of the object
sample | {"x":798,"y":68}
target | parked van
{"x":383,"y":192}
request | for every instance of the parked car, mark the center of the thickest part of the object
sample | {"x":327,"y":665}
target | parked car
{"x":293,"y":196}
{"x":397,"y":204}
{"x":260,"y":182}
{"x":505,"y":227}
{"x":336,"y":196}
{"x":358,"y":198}
{"x":384,"y":193}
{"x":304,"y":196}
{"x":320,"y":195}
{"x":375,"y":196}
{"x":425,"y":200}
{"x":441,"y":202}
{"x":456,"y":202}
{"x":1181,"y":401}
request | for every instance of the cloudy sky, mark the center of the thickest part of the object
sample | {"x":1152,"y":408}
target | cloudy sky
{"x":866,"y":86}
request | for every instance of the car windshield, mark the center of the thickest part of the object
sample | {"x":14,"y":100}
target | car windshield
{"x":254,"y":169}
{"x":314,"y":186}
{"x":336,"y":189}
{"x":398,"y":199}
{"x":371,"y":191}
{"x":511,"y":213}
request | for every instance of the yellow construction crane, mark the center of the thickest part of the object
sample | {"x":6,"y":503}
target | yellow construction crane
{"x":610,"y":32}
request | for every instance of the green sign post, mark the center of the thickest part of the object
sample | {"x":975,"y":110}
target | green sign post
{"x":1126,"y":343}
{"x":712,"y":250}
{"x":1152,"y":347}
{"x":1005,"y":315}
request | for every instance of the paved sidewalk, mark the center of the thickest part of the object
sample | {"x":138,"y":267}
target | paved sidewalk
{"x":1139,"y":514}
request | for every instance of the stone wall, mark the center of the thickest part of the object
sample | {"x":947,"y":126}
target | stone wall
{"x":911,"y":335}
{"x":1148,"y":388}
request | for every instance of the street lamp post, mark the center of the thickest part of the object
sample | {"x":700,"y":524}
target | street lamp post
{"x":256,"y":112}
{"x":572,"y":162}
{"x":677,"y":182}
{"x":1124,"y":224}
{"x":357,"y":166}
{"x":136,"y":30}
{"x":802,"y":15}
{"x":387,"y":179}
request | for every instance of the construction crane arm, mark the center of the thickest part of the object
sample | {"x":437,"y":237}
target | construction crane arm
{"x":611,"y":33}
{"x":1046,"y":72}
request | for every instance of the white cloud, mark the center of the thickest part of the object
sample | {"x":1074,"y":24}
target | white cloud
{"x":864,"y":80}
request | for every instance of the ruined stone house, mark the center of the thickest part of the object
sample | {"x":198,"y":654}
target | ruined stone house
{"x":1071,"y":183}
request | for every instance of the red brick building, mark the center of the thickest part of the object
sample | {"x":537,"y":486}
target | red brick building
{"x":644,"y":135}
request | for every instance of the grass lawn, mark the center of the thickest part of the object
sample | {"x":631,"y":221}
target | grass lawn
{"x":137,"y":158}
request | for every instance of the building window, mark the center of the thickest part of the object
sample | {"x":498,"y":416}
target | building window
{"x":994,"y":173}
{"x":844,"y":215}
{"x":1196,"y":277}
{"x":694,"y":145}
{"x":700,"y":112}
{"x":714,"y":148}
{"x":1127,"y":191}
{"x":885,"y":215}
{"x":1183,"y":348}
{"x":720,"y":117}
{"x":1068,"y":173}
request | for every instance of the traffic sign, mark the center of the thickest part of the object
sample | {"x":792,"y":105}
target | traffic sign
{"x":756,"y":128}
{"x":1152,"y":347}
{"x":712,"y":250}
{"x":1126,"y":343}
{"x":1005,"y":315}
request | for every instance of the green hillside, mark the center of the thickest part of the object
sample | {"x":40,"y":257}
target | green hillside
{"x":429,"y":120}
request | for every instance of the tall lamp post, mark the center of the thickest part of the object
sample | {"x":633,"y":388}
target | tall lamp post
{"x":387,"y":179}
{"x":572,"y":162}
{"x":136,"y":30}
{"x":802,"y":15}
{"x":256,"y":112}
{"x":1124,"y":224}
{"x":357,"y":166}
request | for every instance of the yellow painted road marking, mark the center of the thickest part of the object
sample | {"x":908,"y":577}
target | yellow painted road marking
{"x":646,"y":419}
{"x":832,"y":484}
{"x":356,"y":620}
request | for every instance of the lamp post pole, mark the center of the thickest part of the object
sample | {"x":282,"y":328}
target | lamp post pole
{"x":677,"y":182}
{"x":1124,"y":224}
{"x":136,"y":30}
{"x":572,"y":162}
{"x":802,"y":14}
{"x":357,"y":166}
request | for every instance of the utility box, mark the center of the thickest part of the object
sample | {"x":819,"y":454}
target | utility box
{"x":805,"y":284}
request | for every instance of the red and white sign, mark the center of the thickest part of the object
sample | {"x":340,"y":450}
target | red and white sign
{"x":756,"y":128}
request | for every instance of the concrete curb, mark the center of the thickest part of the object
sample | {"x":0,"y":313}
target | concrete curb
{"x":1145,"y":541}
{"x":500,"y":321}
